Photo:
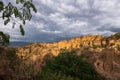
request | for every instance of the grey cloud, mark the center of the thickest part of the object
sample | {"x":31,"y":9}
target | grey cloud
{"x":60,"y":19}
{"x":115,"y":29}
{"x":109,"y":28}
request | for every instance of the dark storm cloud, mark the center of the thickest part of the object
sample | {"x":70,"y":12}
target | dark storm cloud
{"x":108,"y":28}
{"x":70,"y":18}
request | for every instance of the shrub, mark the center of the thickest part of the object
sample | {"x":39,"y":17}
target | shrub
{"x":50,"y":75}
{"x":69,"y":64}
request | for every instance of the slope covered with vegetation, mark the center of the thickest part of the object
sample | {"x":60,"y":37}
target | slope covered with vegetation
{"x":84,"y":58}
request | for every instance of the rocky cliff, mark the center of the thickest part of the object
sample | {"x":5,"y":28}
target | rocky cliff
{"x":94,"y":42}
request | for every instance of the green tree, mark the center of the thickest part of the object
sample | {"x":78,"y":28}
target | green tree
{"x":17,"y":15}
{"x":68,"y":66}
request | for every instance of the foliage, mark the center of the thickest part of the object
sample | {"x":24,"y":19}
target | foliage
{"x":4,"y":39}
{"x":18,"y":14}
{"x":50,"y":75}
{"x":98,"y":46}
{"x":69,"y":64}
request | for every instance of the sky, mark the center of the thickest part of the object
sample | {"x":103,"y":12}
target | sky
{"x":63,"y":19}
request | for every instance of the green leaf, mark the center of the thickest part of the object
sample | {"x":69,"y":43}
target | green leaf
{"x":33,"y":7}
{"x":22,"y":1}
{"x":24,"y":22}
{"x":22,"y":30}
{"x":13,"y":25}
{"x":5,"y":38}
{"x":17,"y":1}
{"x":3,"y":15}
{"x":1,"y":33}
{"x":20,"y":15}
{"x":1,"y":6}
{"x":16,"y":13}
{"x":6,"y":21}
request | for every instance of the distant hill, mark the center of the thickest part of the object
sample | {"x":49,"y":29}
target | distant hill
{"x":23,"y":43}
{"x":18,"y":44}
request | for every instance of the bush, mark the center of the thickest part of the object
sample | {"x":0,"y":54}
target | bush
{"x":50,"y":75}
{"x":68,"y":64}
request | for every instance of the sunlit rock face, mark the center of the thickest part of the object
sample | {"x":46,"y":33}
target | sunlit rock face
{"x":99,"y":42}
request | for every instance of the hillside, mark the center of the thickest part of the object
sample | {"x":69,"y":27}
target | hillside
{"x":85,"y":44}
{"x":102,"y":52}
{"x":18,"y":43}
